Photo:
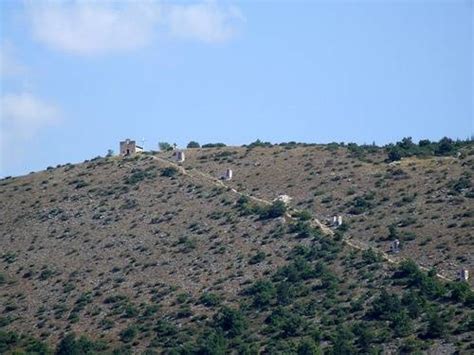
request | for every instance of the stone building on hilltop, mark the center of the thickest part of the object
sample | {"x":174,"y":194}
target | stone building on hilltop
{"x":129,"y":147}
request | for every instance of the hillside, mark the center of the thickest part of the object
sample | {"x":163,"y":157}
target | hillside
{"x":142,"y":254}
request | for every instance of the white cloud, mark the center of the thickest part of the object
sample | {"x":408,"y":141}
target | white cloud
{"x":92,"y":28}
{"x":9,"y":67}
{"x":23,"y":115}
{"x":205,"y":22}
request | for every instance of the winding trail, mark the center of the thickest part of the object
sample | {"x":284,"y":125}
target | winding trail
{"x":355,"y":244}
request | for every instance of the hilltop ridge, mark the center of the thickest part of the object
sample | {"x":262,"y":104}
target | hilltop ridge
{"x":144,"y":253}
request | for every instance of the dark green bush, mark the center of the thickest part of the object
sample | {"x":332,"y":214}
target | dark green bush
{"x":213,"y":145}
{"x":406,"y":148}
{"x":385,"y":306}
{"x":285,"y":322}
{"x":210,"y":299}
{"x":262,"y":292}
{"x":164,"y":146}
{"x":304,"y":215}
{"x":210,"y":343}
{"x":275,"y":210}
{"x":193,"y":144}
{"x":231,"y":321}
{"x":169,"y":171}
{"x":257,"y":258}
{"x":437,"y":327}
{"x":128,"y":334}
{"x":69,"y":345}
{"x":139,"y":175}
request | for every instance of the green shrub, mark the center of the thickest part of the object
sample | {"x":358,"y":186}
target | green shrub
{"x":304,"y":230}
{"x":259,"y":143}
{"x":184,"y":311}
{"x":385,"y":306}
{"x":262,"y":293}
{"x":285,"y":322}
{"x":304,"y":215}
{"x":164,"y":329}
{"x":128,"y":334}
{"x":211,"y":343}
{"x":257,"y":258}
{"x":460,"y":291}
{"x":231,"y":321}
{"x":298,"y":270}
{"x":139,"y":175}
{"x":69,"y":345}
{"x":401,"y":324}
{"x":213,"y":145}
{"x":164,"y":146}
{"x":370,"y":256}
{"x":169,"y":171}
{"x":361,"y":204}
{"x":210,"y":299}
{"x":46,"y":274}
{"x":193,"y":144}
{"x":414,"y":304}
{"x":411,"y":345}
{"x":437,"y":327}
{"x":463,"y":183}
{"x":188,"y":244}
{"x":428,"y":284}
{"x":275,"y":210}
{"x":307,"y":346}
{"x":342,"y":342}
{"x":406,"y":148}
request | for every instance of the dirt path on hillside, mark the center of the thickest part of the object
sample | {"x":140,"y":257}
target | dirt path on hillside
{"x":353,"y":243}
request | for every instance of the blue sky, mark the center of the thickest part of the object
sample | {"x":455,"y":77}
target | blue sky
{"x":78,"y":76}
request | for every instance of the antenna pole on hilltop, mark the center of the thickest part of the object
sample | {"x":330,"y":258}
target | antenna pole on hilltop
{"x":143,"y":143}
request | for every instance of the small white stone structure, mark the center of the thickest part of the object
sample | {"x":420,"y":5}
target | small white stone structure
{"x":336,"y":221}
{"x":395,"y":246}
{"x":129,"y":147}
{"x":464,"y":275}
{"x":228,"y":175}
{"x":284,"y":198}
{"x":179,"y":156}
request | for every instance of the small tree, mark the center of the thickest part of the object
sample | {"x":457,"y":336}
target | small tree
{"x":393,"y":232}
{"x":210,"y":299}
{"x":307,"y":346}
{"x":394,"y":154}
{"x":231,"y":321}
{"x":128,"y":334}
{"x":437,"y":327}
{"x":262,"y":292}
{"x":342,"y":343}
{"x":212,"y":342}
{"x":110,"y":153}
{"x":69,"y":345}
{"x":213,"y":145}
{"x":275,"y":210}
{"x":257,"y":258}
{"x":164,"y":146}
{"x":193,"y":144}
{"x":445,"y":146}
{"x":401,"y":324}
{"x":169,"y":171}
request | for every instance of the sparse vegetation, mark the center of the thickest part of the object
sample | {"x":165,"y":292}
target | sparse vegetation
{"x":193,"y":144}
{"x":141,"y":259}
